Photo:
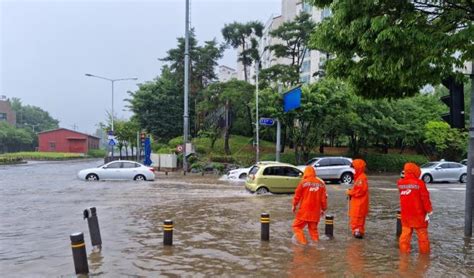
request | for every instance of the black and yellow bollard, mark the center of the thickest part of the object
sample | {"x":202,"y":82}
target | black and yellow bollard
{"x":168,"y":232}
{"x":399,"y":223}
{"x":79,"y":253}
{"x":329,"y":227}
{"x":94,"y":230}
{"x":265,"y":226}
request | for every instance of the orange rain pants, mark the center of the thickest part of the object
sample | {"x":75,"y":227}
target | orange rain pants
{"x":423,"y":240}
{"x":298,"y":226}
{"x":358,"y":224}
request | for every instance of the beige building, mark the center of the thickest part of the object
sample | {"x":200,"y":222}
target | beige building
{"x":226,"y":73}
{"x":6,"y":112}
{"x":313,"y":59}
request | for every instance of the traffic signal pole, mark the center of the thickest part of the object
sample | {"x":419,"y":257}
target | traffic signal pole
{"x":470,"y":171}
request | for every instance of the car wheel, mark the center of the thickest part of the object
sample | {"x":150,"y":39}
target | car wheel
{"x":139,"y":178}
{"x":347,"y":178}
{"x":243,"y":176}
{"x":463,"y":178}
{"x":92,"y":177}
{"x":427,"y":178}
{"x":262,"y":190}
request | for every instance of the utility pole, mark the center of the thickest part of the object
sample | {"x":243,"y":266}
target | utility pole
{"x":278,"y":135}
{"x":186,"y":88}
{"x":257,"y":64}
{"x":470,"y":164}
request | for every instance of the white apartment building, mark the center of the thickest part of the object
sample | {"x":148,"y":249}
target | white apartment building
{"x":313,"y":59}
{"x":226,"y":73}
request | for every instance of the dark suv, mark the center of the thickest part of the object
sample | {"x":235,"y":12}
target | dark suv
{"x":332,"y":168}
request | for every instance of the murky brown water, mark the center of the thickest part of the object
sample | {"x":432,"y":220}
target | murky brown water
{"x":217,"y":229}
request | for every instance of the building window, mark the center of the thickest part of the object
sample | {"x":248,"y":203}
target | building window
{"x":52,"y":146}
{"x":305,"y":67}
{"x":307,"y":8}
{"x":304,"y":79}
{"x":3,"y":116}
{"x":326,"y":13}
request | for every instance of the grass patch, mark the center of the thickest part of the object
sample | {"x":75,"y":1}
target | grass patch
{"x":41,"y":156}
{"x":11,"y":160}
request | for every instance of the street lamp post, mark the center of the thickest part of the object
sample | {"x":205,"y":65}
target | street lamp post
{"x":112,"y":81}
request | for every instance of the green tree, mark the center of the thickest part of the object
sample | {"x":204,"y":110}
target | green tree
{"x":393,"y":48}
{"x":203,"y":60}
{"x":158,"y":106}
{"x":243,"y":36}
{"x":235,"y":96}
{"x":447,"y":142}
{"x":14,"y":139}
{"x":294,"y":36}
{"x":30,"y":117}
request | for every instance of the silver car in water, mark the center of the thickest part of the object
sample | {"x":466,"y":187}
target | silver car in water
{"x":332,"y":168}
{"x":443,"y":171}
{"x":118,"y":170}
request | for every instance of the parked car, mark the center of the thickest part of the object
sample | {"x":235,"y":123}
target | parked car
{"x":332,"y":168}
{"x":238,"y":174}
{"x":273,"y":177}
{"x":118,"y":170}
{"x":242,"y":173}
{"x":464,"y":162}
{"x":443,"y":171}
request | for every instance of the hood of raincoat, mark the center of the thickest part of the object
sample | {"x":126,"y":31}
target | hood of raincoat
{"x":309,"y":173}
{"x":359,"y":167}
{"x":412,"y":170}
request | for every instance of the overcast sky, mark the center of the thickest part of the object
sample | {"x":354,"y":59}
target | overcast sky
{"x":47,"y":47}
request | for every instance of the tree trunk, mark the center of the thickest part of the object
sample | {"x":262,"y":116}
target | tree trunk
{"x":249,"y":112}
{"x":227,"y":129}
{"x":321,"y":147}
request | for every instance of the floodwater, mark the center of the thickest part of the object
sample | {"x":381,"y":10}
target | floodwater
{"x":217,"y":229}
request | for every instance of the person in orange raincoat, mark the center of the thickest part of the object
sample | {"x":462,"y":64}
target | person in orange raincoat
{"x":311,"y":197}
{"x":415,"y":206}
{"x":359,"y":199}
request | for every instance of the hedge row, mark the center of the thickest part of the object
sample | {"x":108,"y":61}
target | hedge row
{"x":375,"y":162}
{"x":391,"y":162}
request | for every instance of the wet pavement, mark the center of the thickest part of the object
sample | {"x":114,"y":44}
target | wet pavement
{"x":217,"y":229}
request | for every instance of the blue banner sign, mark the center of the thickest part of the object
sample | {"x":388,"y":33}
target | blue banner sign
{"x":266,"y":121}
{"x":292,"y":99}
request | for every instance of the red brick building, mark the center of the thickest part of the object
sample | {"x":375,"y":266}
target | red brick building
{"x":6,"y":112}
{"x":65,"y":140}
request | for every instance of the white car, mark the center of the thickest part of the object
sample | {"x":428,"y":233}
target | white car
{"x":443,"y":171}
{"x":242,"y":173}
{"x":118,"y":170}
{"x":238,"y":174}
{"x":332,"y":168}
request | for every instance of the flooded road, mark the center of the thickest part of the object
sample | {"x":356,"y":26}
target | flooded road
{"x":216,"y":229}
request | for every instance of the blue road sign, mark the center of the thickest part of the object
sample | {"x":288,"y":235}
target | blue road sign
{"x":292,"y":99}
{"x":111,"y":142}
{"x":110,"y":132}
{"x":266,"y":121}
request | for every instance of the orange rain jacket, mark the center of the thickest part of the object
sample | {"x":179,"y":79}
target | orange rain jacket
{"x":414,"y":198}
{"x":360,"y":191}
{"x":311,"y":195}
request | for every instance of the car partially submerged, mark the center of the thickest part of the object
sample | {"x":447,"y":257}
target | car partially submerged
{"x":437,"y":171}
{"x":332,"y":168}
{"x":239,"y":173}
{"x":273,"y":177}
{"x":118,"y":170}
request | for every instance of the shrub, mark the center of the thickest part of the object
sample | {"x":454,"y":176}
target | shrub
{"x":218,"y":166}
{"x":391,"y":162}
{"x":175,"y":142}
{"x":222,"y":158}
{"x":199,"y":166}
{"x":99,"y":153}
